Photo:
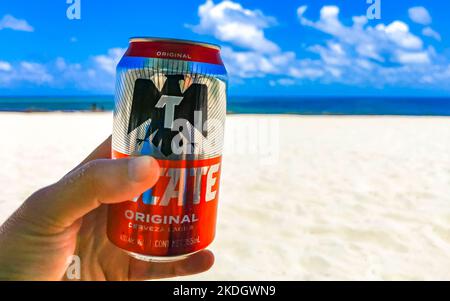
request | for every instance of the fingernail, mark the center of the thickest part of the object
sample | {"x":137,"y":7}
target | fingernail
{"x":139,"y":168}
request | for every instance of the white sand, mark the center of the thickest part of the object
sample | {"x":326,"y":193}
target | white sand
{"x":348,"y":198}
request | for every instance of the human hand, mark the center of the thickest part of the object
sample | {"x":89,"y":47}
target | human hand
{"x":69,"y":217}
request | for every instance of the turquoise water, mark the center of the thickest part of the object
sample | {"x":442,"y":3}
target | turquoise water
{"x":255,"y":105}
{"x":56,"y":103}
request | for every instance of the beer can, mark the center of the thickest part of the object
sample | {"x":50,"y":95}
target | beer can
{"x":170,"y":103}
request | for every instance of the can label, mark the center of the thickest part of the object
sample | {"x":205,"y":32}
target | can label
{"x":170,"y":110}
{"x":176,"y":216}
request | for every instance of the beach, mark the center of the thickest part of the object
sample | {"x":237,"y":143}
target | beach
{"x":317,"y":198}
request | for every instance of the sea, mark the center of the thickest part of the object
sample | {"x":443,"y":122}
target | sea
{"x":438,"y":106}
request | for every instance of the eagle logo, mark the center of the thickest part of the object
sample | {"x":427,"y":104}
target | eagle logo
{"x":164,"y":107}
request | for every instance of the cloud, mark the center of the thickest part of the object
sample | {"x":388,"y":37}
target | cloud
{"x":34,"y":72}
{"x":109,"y":61}
{"x":243,"y":28}
{"x":370,"y":41}
{"x":420,"y":14}
{"x":9,"y":22}
{"x":398,"y":33}
{"x":24,"y":71}
{"x":362,"y":55}
{"x":328,"y":22}
{"x":251,"y":64}
{"x":88,"y":76}
{"x":282,"y":82}
{"x":308,"y":71}
{"x":357,"y":54}
{"x":248,"y":64}
{"x":429,"y":32}
{"x":229,"y":22}
{"x":360,"y":44}
{"x":412,"y":57}
{"x":5,"y":66}
{"x":96,"y":74}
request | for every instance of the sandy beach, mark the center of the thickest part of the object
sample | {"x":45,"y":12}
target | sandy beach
{"x":345,"y":198}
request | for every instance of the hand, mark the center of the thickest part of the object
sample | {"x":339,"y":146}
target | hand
{"x":69,"y":217}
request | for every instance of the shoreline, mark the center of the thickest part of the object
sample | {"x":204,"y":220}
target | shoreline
{"x":238,"y":114}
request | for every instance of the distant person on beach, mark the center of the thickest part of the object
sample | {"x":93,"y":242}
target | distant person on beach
{"x":69,"y":217}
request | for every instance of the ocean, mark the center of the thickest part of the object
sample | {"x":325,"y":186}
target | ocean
{"x":255,"y":105}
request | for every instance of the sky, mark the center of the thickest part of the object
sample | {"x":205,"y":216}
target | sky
{"x":270,"y":48}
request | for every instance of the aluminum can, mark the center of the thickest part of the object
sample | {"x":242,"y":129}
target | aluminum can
{"x":170,"y":103}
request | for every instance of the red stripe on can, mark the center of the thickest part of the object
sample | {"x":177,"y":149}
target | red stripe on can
{"x":174,"y":50}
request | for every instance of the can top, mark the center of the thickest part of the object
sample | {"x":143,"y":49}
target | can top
{"x":191,"y":42}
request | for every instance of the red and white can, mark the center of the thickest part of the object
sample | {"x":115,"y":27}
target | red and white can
{"x":170,"y":103}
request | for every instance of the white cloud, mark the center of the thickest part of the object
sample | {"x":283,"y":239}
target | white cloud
{"x":392,"y":43}
{"x":109,"y":61}
{"x":24,"y":71}
{"x":328,"y":21}
{"x":369,"y":41}
{"x":11,"y":22}
{"x":405,"y":57}
{"x":429,"y":32}
{"x":398,"y":32}
{"x":5,"y":66}
{"x":286,"y":81}
{"x":301,"y":10}
{"x":88,"y":76}
{"x":229,"y":22}
{"x":332,"y":53}
{"x":356,"y":54}
{"x":282,"y":82}
{"x":360,"y":54}
{"x":34,"y":72}
{"x":97,"y":74}
{"x":420,"y":14}
{"x":306,"y":72}
{"x":60,"y":63}
{"x":253,"y":64}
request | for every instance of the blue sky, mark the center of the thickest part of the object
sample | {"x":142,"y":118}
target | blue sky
{"x":269,"y":47}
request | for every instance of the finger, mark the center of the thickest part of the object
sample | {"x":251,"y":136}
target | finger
{"x":98,"y":182}
{"x":194,"y":264}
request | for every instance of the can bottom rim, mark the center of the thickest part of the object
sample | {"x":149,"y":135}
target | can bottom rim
{"x":150,"y":258}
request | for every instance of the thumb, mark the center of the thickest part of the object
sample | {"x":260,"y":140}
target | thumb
{"x":98,"y":182}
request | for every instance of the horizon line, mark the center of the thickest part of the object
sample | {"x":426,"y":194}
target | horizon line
{"x":249,"y":96}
